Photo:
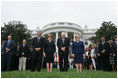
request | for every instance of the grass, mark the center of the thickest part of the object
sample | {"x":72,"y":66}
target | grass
{"x":57,"y":74}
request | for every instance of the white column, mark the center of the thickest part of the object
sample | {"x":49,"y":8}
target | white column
{"x":74,"y":36}
{"x":56,"y":44}
{"x":56,"y":36}
{"x":57,"y":49}
{"x":66,"y":34}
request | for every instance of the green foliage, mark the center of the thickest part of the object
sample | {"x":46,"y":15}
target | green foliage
{"x":17,"y":30}
{"x":107,"y":29}
{"x":90,"y":45}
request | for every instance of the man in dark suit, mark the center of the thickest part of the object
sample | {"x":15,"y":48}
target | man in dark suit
{"x":38,"y":45}
{"x":29,"y":60}
{"x":63,"y":44}
{"x":104,"y":53}
{"x":24,"y":54}
{"x":15,"y":60}
{"x":9,"y":47}
{"x":115,"y":51}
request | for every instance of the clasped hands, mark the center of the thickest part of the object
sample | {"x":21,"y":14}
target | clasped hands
{"x":103,"y":51}
{"x":63,"y":48}
{"x":7,"y":50}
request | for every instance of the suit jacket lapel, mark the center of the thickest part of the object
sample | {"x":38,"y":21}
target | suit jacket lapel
{"x":7,"y":42}
{"x":64,"y":41}
{"x":61,"y":41}
{"x":37,"y":39}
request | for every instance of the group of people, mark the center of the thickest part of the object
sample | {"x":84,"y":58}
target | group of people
{"x":98,"y":56}
{"x":102,"y":55}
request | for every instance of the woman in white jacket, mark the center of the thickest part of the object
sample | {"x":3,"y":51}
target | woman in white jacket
{"x":93,"y":57}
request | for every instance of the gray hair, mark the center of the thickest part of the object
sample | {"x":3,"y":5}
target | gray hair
{"x":25,"y":40}
{"x":63,"y":33}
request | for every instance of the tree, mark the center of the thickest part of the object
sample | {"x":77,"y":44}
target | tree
{"x":107,"y":29}
{"x":17,"y":30}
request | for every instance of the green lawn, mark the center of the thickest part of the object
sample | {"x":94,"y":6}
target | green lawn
{"x":57,"y":74}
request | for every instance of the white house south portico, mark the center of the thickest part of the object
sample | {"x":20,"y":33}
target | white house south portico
{"x":71,"y":29}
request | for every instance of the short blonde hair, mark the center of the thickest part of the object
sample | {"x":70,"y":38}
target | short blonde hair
{"x":77,"y":35}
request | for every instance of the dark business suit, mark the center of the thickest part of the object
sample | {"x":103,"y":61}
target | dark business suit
{"x":29,"y":61}
{"x":7,"y":57}
{"x":115,"y":52}
{"x":63,"y":55}
{"x":37,"y":55}
{"x":98,"y":58}
{"x":15,"y":60}
{"x":104,"y":57}
{"x":24,"y":49}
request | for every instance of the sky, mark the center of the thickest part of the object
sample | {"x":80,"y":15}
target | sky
{"x":41,"y":13}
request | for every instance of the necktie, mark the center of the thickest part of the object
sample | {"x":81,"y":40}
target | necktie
{"x":8,"y":43}
{"x":63,"y":41}
{"x":38,"y":39}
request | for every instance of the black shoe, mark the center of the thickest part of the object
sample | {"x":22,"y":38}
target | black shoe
{"x":61,"y":70}
{"x":65,"y":70}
